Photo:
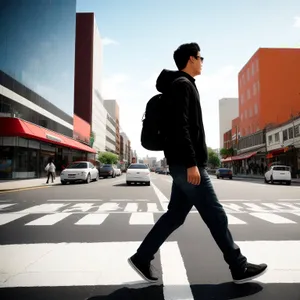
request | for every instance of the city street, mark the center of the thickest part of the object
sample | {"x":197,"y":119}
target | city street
{"x":73,"y":242}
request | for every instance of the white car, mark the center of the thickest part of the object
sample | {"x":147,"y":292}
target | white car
{"x":279,"y":173}
{"x":138,"y":173}
{"x":79,"y":171}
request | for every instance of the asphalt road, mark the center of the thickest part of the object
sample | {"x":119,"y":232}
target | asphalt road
{"x":72,"y":242}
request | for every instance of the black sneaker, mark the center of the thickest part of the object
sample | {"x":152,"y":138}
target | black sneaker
{"x":143,"y":269}
{"x":250,"y":272}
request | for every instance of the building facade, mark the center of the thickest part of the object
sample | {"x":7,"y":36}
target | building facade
{"x":110,"y":134}
{"x":88,"y":101}
{"x":37,"y":87}
{"x":228,"y":110}
{"x":269,"y":89}
{"x":112,"y":108}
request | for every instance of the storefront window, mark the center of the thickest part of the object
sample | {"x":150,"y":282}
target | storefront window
{"x":6,"y":162}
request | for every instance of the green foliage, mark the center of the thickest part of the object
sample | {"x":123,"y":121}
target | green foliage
{"x":213,"y":158}
{"x":108,"y":158}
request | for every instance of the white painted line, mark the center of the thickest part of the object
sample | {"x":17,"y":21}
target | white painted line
{"x":273,"y":206}
{"x":255,"y":207}
{"x":164,"y":201}
{"x":239,"y":200}
{"x":68,"y":264}
{"x":152,"y":207}
{"x":74,"y":200}
{"x":92,"y":219}
{"x":82,"y":207}
{"x":272,"y":218}
{"x":9,"y":217}
{"x":129,"y":200}
{"x":282,"y":258}
{"x":43,"y":208}
{"x":234,"y":220}
{"x":2,"y":206}
{"x":291,"y":206}
{"x":109,"y":206}
{"x":234,"y":207}
{"x":48,"y":219}
{"x":141,"y":219}
{"x":175,"y":280}
{"x":131,"y":207}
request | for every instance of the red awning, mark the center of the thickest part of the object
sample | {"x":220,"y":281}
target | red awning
{"x":244,"y":156}
{"x":22,"y":128}
{"x":227,"y":159}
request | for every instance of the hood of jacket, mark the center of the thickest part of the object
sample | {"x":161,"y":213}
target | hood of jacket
{"x":166,"y":78}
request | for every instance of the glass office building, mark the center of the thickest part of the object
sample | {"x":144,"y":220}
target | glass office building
{"x":37,"y":57}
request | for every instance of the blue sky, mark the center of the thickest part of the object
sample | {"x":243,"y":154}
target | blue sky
{"x":140,"y":37}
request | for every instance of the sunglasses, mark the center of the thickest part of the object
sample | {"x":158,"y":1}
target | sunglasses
{"x":197,"y":57}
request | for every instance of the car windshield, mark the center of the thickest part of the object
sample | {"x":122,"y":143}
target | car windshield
{"x":107,"y":166}
{"x":81,"y":165}
{"x":138,"y":166}
{"x":281,"y":168}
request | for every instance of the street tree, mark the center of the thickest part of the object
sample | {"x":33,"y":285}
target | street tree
{"x":108,"y":158}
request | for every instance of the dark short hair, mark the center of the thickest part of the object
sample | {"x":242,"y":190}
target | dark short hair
{"x":183,"y":53}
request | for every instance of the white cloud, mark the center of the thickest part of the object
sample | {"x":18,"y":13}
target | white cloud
{"x":107,"y":41}
{"x":132,"y":96}
{"x":297,"y":22}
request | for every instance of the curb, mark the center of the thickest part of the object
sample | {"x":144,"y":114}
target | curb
{"x":27,"y":188}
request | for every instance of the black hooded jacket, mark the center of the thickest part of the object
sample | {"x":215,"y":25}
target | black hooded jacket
{"x":185,"y":143}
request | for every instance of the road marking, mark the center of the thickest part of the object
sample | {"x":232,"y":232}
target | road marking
{"x":2,"y":206}
{"x":48,"y":220}
{"x":92,"y":219}
{"x":255,"y":207}
{"x":131,"y":207}
{"x":272,"y":218}
{"x":64,"y":264}
{"x":164,"y":201}
{"x":82,"y":207}
{"x":291,"y":206}
{"x":108,"y":206}
{"x":273,"y":206}
{"x":282,"y":258}
{"x":9,"y":217}
{"x":141,"y":219}
{"x":234,"y":220}
{"x":152,"y":207}
{"x":74,"y":200}
{"x":43,"y":208}
{"x":234,"y":207}
{"x":129,"y":200}
{"x":24,"y":189}
{"x":239,"y":200}
{"x":176,"y":284}
{"x":288,"y":200}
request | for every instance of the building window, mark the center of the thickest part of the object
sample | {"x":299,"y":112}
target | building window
{"x":248,"y":94}
{"x":270,"y":139}
{"x":250,"y":112}
{"x":242,"y":116}
{"x":277,"y":137}
{"x":291,"y":132}
{"x":285,"y":135}
{"x":254,"y":89}
{"x":257,"y":86}
{"x":246,"y":114}
{"x":297,"y":130}
{"x":253,"y":69}
{"x":242,"y":99}
{"x":248,"y":74}
{"x":257,"y":65}
{"x":255,"y":109}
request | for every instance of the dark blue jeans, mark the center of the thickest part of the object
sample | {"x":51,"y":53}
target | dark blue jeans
{"x":183,"y":197}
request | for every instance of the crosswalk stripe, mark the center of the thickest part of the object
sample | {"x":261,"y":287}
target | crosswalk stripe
{"x":152,"y":207}
{"x":43,"y":208}
{"x":9,"y":217}
{"x":109,"y":206}
{"x":171,"y":260}
{"x":131,"y":207}
{"x":273,"y":206}
{"x":92,"y":219}
{"x":255,"y":207}
{"x":234,"y":220}
{"x":48,"y":219}
{"x":2,"y":206}
{"x":272,"y":218}
{"x":290,"y":205}
{"x":141,"y":219}
{"x":82,"y":207}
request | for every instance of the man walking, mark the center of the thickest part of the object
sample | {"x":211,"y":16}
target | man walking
{"x":186,"y":153}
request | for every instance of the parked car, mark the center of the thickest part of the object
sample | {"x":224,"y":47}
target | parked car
{"x":107,"y":170}
{"x":79,"y":171}
{"x":224,"y":173}
{"x":279,"y":173}
{"x":118,"y":171}
{"x":138,"y":173}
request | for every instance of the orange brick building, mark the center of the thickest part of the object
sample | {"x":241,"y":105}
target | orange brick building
{"x":269,"y":89}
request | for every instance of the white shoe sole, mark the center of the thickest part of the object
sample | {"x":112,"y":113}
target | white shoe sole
{"x":139,"y":272}
{"x":250,"y":278}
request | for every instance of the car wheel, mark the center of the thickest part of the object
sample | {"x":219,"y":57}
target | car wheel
{"x":88,"y":179}
{"x":128,"y":182}
{"x":148,"y":183}
{"x":97,"y":177}
{"x":272,"y":181}
{"x":288,"y":182}
{"x":63,"y":182}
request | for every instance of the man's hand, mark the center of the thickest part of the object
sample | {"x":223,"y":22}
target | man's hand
{"x":193,"y":175}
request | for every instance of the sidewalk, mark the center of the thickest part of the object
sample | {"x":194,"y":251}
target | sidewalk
{"x":294,"y":180}
{"x":9,"y":185}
